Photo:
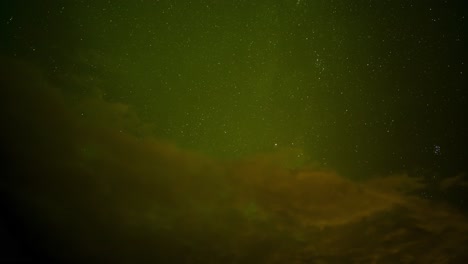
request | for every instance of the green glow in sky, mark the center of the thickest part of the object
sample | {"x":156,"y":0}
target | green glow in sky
{"x":288,"y":118}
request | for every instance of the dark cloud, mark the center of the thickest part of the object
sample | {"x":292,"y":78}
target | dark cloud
{"x":85,"y":183}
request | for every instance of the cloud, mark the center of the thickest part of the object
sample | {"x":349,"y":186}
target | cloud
{"x":450,"y":182}
{"x":88,"y":184}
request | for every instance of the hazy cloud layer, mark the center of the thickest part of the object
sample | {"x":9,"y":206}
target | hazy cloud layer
{"x":88,"y":184}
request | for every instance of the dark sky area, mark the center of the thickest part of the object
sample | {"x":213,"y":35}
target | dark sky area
{"x":293,"y":131}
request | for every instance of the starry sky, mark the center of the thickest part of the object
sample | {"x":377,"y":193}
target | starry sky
{"x":242,"y":131}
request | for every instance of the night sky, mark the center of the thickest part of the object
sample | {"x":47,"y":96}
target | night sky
{"x":293,"y":131}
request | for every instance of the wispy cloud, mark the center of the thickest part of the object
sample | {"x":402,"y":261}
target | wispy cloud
{"x":93,"y":187}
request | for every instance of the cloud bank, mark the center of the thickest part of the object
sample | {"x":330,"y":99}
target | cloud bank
{"x":84,"y":185}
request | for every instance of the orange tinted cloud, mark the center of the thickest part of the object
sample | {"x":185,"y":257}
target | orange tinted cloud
{"x":93,"y":190}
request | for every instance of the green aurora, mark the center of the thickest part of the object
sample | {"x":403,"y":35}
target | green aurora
{"x":234,"y":131}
